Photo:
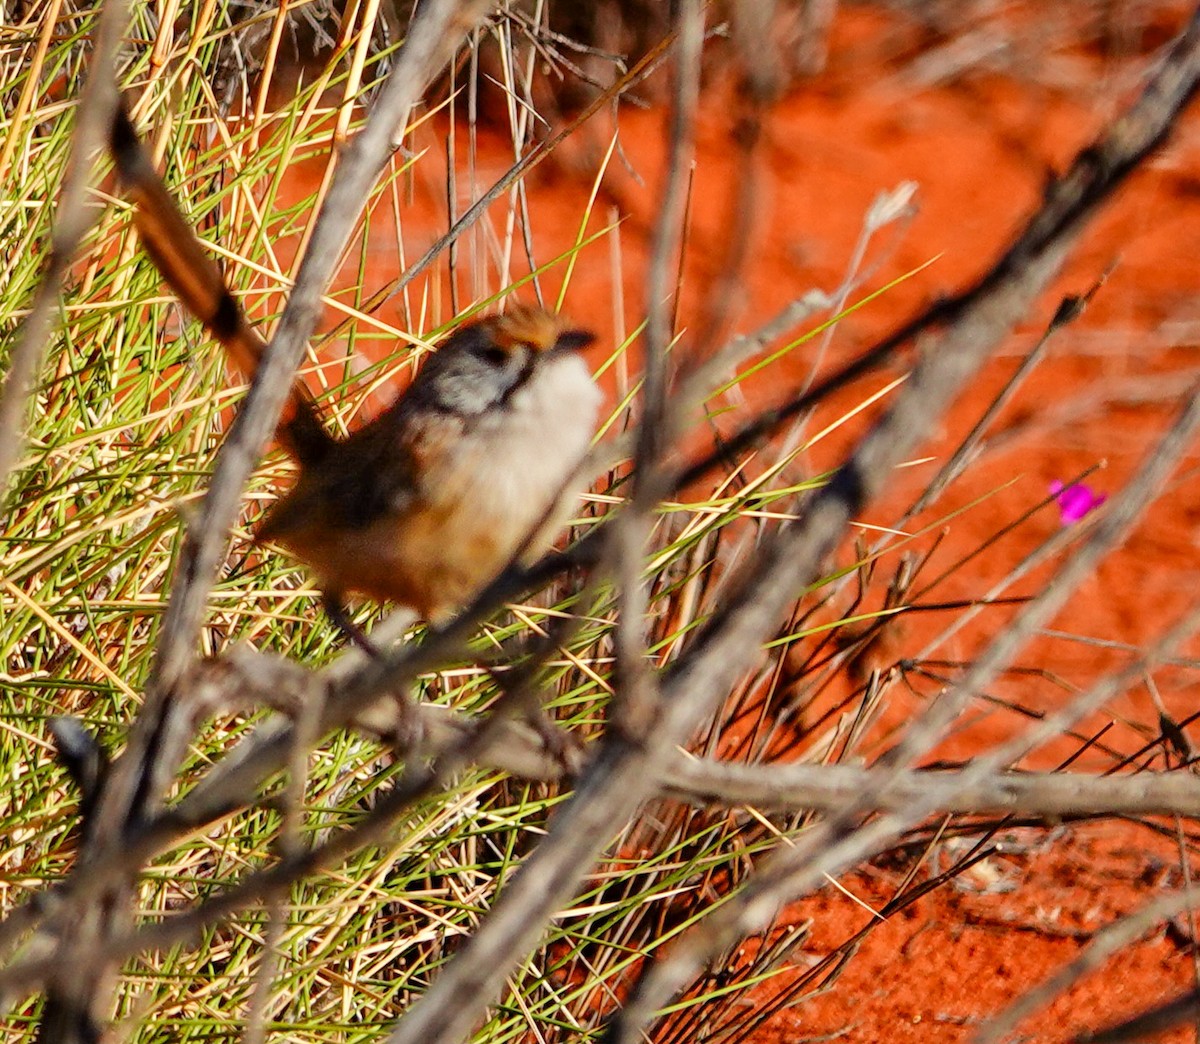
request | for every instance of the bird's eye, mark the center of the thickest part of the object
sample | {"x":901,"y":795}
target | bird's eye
{"x":495,"y":356}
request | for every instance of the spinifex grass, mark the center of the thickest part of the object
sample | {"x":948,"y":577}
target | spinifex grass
{"x":130,"y":411}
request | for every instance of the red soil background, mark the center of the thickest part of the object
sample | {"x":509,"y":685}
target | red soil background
{"x":981,"y":149}
{"x":981,"y":146}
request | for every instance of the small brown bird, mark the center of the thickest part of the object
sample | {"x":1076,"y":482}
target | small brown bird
{"x":474,"y":463}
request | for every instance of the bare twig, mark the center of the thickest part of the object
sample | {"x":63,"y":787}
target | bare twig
{"x":72,"y":1003}
{"x":636,"y":688}
{"x":980,"y":316}
{"x":1148,"y":1025}
{"x":158,"y":740}
{"x":633,"y":763}
{"x":1106,"y":942}
{"x":1068,"y":311}
{"x":435,"y":33}
{"x":829,"y":788}
{"x":845,"y":838}
{"x":73,"y":218}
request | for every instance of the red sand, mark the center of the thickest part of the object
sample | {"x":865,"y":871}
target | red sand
{"x":981,"y":150}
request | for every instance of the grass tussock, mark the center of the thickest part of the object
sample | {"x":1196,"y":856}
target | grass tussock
{"x":130,"y":408}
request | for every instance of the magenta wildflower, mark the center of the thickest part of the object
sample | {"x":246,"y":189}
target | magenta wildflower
{"x":1076,"y":501}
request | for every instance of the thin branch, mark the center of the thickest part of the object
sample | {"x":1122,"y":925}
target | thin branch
{"x":845,"y":838}
{"x":73,"y":216}
{"x":981,"y":318}
{"x":540,"y":151}
{"x":635,"y":686}
{"x":81,"y":986}
{"x":1104,"y":944}
{"x":828,"y":788}
{"x":1094,"y":175}
{"x":159,"y":737}
{"x":437,"y":30}
{"x":1070,"y":309}
{"x":1149,"y":1024}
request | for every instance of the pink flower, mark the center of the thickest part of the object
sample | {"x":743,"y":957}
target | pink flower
{"x":1076,"y":501}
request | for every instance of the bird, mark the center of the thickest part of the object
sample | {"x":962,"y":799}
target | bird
{"x":474,"y":464}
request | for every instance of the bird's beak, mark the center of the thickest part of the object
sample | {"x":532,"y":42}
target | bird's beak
{"x":573,"y":340}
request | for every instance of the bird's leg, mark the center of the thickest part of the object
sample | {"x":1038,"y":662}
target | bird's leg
{"x":521,"y":699}
{"x":336,"y":610}
{"x":408,"y":734}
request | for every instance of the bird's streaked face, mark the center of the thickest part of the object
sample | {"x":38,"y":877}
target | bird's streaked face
{"x":485,"y":364}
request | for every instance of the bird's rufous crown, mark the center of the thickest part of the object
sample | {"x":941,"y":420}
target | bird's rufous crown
{"x":526,"y":325}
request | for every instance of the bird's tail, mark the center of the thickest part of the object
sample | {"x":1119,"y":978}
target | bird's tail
{"x":196,"y":280}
